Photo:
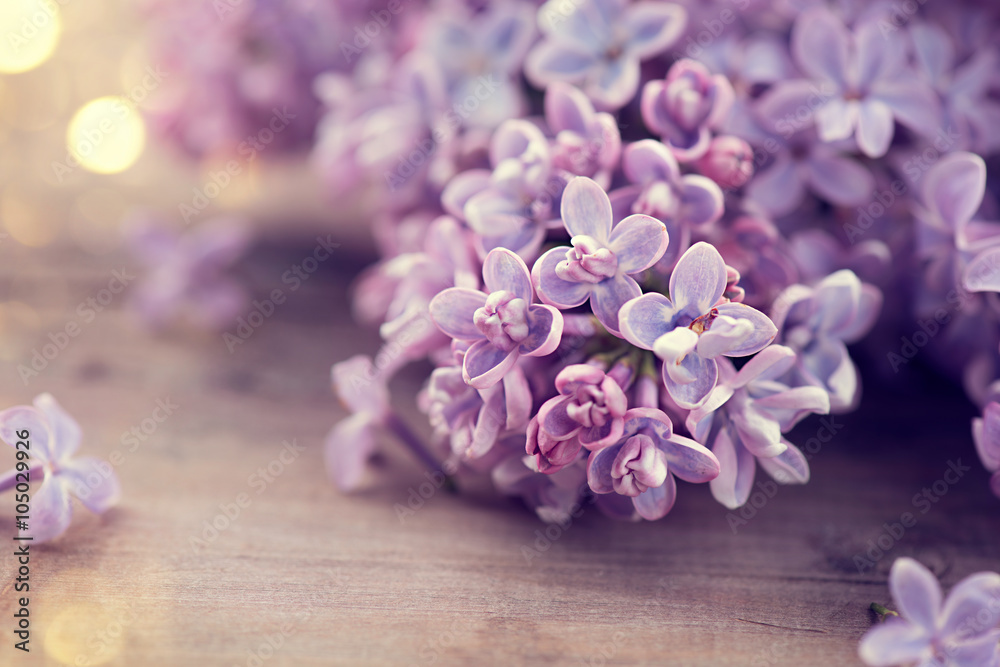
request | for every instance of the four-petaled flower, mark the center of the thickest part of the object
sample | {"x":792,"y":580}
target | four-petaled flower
{"x":695,"y":325}
{"x":963,"y":630}
{"x":643,"y":463}
{"x":53,"y":438}
{"x":501,"y":323}
{"x":598,"y":264}
{"x":589,"y":412}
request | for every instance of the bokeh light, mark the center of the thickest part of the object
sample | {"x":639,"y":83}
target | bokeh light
{"x":32,"y":36}
{"x":106,"y":135}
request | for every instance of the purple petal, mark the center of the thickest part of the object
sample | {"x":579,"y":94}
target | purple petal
{"x":779,"y":188}
{"x":485,"y":364}
{"x":31,"y":419}
{"x":737,"y":470}
{"x":51,"y":510}
{"x":764,"y":330}
{"x":453,"y":309}
{"x":792,"y":405}
{"x":644,"y":319}
{"x":461,"y":188}
{"x":788,"y":467}
{"x":701,"y":200}
{"x":648,"y":160}
{"x":586,"y":209}
{"x":691,"y":395}
{"x":698,"y":280}
{"x":359,"y":386}
{"x":954,"y":188}
{"x":689,"y":460}
{"x":653,"y":27}
{"x":518,"y":399}
{"x":495,"y":212}
{"x":654,"y":503}
{"x":554,"y":419}
{"x":869,"y":309}
{"x":92,"y":481}
{"x":599,"y":469}
{"x":545,"y":332}
{"x":550,"y":61}
{"x":585,"y":25}
{"x":912,"y":103}
{"x":566,"y":108}
{"x":726,"y":334}
{"x":837,"y":296}
{"x":608,"y":298}
{"x":986,"y":434}
{"x":347,"y":448}
{"x":836,"y":119}
{"x":638,"y":242}
{"x":972,"y":599}
{"x":513,"y":138}
{"x":820,"y":45}
{"x":829,"y":361}
{"x":894,"y":642}
{"x":773,"y":360}
{"x":66,"y":432}
{"x":839,"y":179}
{"x":551,"y":288}
{"x":504,"y":270}
{"x":875,"y":128}
{"x":614,"y":83}
{"x":672,"y":347}
{"x":916,"y":592}
{"x":778,"y":107}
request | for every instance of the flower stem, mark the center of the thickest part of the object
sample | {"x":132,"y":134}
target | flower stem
{"x":9,"y":479}
{"x":409,"y":438}
{"x":881,"y":611}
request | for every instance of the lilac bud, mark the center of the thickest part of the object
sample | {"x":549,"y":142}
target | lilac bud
{"x":728,"y":161}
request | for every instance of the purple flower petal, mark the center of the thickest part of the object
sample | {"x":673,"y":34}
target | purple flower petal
{"x":760,"y":434}
{"x":599,"y":469}
{"x":347,"y":448}
{"x":461,"y":188}
{"x":764,"y":330}
{"x":31,"y":419}
{"x":672,"y":347}
{"x":698,"y":280}
{"x":779,"y":188}
{"x":586,"y":209}
{"x":726,"y":334}
{"x":701,"y":200}
{"x":638,"y":242}
{"x":971,"y":600}
{"x":551,"y":288}
{"x":788,"y":467}
{"x":821,"y":45}
{"x":613,"y":83}
{"x":894,"y":642}
{"x":550,"y":61}
{"x":608,"y":298}
{"x":485,"y":364}
{"x":916,"y":592}
{"x":689,"y":460}
{"x":359,"y":386}
{"x":837,"y":296}
{"x":545,"y":332}
{"x":649,"y":160}
{"x":986,"y":434}
{"x":954,"y":188}
{"x":773,"y":360}
{"x":51,"y":510}
{"x":644,"y":319}
{"x":691,"y":395}
{"x":513,"y":138}
{"x":655,"y":502}
{"x":875,"y":128}
{"x":838,"y":179}
{"x":554,"y":419}
{"x":566,"y":108}
{"x":737,"y":469}
{"x":504,"y":270}
{"x":836,"y":119}
{"x":495,"y":212}
{"x":92,"y":481}
{"x":912,"y":103}
{"x":653,"y":27}
{"x":453,"y":309}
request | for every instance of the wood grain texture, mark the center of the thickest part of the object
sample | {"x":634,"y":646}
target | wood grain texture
{"x":338,"y":580}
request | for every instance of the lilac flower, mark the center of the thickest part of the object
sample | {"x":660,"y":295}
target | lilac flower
{"x":818,"y":321}
{"x":818,"y":253}
{"x":659,"y":190}
{"x":53,"y":438}
{"x":588,"y":413}
{"x":512,"y":206}
{"x":643,"y":463}
{"x":362,"y":388}
{"x":808,"y":165}
{"x":986,"y":434}
{"x":555,"y":498}
{"x":755,"y":249}
{"x":598,"y":44}
{"x":963,"y":630}
{"x":860,"y":83}
{"x":694,"y":326}
{"x":473,"y":419}
{"x":728,"y":161}
{"x":744,"y":418}
{"x":502,"y":324}
{"x":586,"y":143}
{"x":598,"y":264}
{"x":684,"y":107}
{"x":186,"y":279}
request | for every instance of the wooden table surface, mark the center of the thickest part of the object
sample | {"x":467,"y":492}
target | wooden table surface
{"x":307,"y":576}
